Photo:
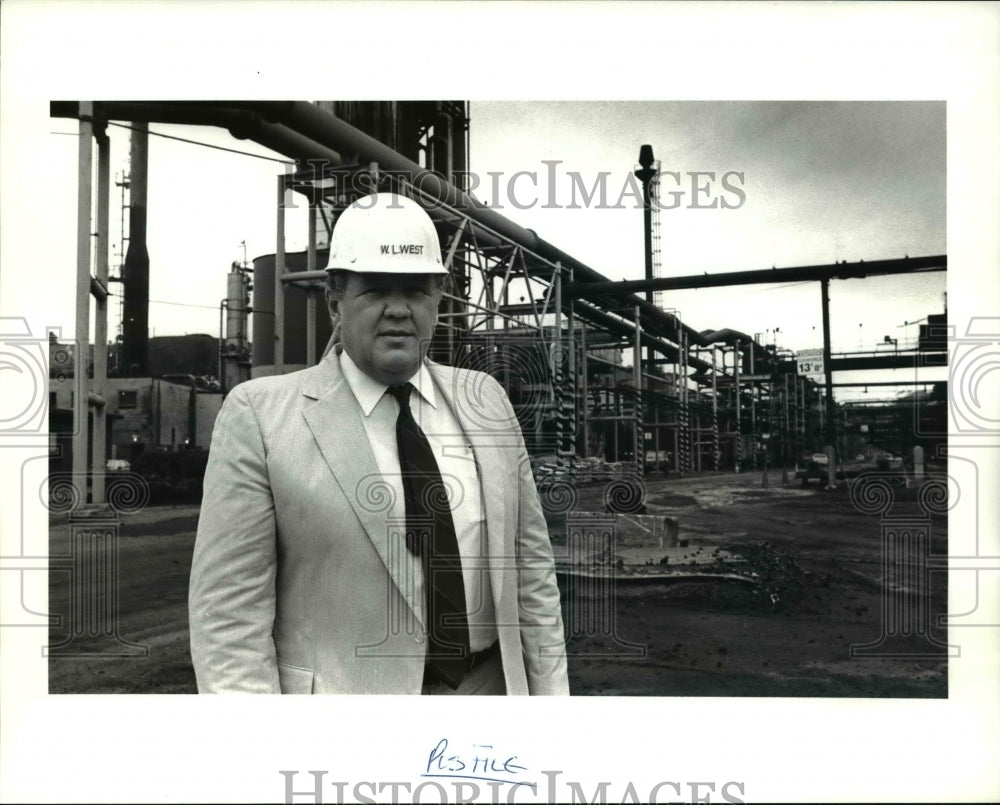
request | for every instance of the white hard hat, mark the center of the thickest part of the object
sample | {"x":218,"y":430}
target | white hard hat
{"x":385,"y":233}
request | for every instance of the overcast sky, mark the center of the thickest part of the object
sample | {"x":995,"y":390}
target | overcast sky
{"x":746,"y":185}
{"x":821,"y":182}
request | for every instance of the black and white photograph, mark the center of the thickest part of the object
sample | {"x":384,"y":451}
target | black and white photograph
{"x":653,"y":416}
{"x":643,"y":401}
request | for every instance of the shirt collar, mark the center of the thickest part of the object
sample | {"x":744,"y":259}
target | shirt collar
{"x":368,"y":391}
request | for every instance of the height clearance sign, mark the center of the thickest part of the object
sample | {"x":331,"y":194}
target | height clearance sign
{"x":810,"y":362}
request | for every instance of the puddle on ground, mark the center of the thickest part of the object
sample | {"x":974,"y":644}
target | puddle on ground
{"x":671,"y":501}
{"x":719,"y":497}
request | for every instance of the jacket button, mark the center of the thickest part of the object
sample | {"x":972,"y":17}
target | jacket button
{"x":419,"y":639}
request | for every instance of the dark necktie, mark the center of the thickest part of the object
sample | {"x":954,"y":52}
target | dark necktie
{"x":430,"y":534}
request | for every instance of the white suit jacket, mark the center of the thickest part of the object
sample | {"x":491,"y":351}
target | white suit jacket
{"x":297,"y":585}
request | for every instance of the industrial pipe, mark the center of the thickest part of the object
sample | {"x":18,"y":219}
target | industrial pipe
{"x":304,"y":131}
{"x":334,"y":133}
{"x":241,"y":123}
{"x":815,"y":273}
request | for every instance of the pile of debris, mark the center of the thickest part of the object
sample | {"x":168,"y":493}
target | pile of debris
{"x":583,"y":471}
{"x":639,"y":547}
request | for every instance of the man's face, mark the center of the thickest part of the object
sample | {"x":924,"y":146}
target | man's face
{"x":386,"y":321}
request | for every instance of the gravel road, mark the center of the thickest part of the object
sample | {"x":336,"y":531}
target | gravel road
{"x":815,"y":561}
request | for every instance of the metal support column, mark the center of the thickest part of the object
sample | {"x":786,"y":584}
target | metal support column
{"x":557,"y":297}
{"x":684,"y":423}
{"x":753,"y":404}
{"x":310,"y":293}
{"x":738,"y":452}
{"x":716,"y":452}
{"x":800,"y":387}
{"x":99,"y":384}
{"x":81,"y":436}
{"x":558,"y":397}
{"x":584,"y":391}
{"x":570,"y":387}
{"x":616,"y":420}
{"x":279,"y":286}
{"x":830,"y":431}
{"x":696,"y":441}
{"x":639,"y":451}
{"x":656,"y":436}
{"x":677,"y":449}
{"x":135,"y":309}
{"x":786,"y":420}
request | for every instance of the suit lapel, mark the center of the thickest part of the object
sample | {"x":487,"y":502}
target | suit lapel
{"x":334,"y":417}
{"x":490,"y":464}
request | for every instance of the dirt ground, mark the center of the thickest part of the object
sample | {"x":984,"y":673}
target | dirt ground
{"x":799,"y":580}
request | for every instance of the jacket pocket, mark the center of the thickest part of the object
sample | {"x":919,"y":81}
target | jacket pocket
{"x":293,"y":679}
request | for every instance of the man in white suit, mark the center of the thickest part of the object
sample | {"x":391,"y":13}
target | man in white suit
{"x":303,"y":579}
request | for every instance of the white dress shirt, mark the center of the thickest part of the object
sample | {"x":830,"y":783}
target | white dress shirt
{"x":457,"y":465}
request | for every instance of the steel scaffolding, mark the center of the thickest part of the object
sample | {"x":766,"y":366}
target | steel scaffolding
{"x":552,"y":330}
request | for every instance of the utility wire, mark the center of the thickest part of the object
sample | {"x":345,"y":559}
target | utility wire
{"x":779,"y":287}
{"x":206,"y":145}
{"x":182,"y":304}
{"x":177,"y":304}
{"x":190,"y":142}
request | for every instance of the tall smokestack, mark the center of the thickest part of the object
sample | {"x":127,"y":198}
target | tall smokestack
{"x":645,"y":173}
{"x":135,"y":328}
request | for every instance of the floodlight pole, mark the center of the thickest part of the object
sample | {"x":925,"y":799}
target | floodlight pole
{"x":831,"y":427}
{"x":645,"y":174}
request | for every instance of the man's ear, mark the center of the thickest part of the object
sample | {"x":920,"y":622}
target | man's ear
{"x":333,"y":307}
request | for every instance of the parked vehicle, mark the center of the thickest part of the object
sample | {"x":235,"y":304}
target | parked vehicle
{"x":812,"y":466}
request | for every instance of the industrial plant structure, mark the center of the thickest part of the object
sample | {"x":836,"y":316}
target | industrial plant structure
{"x":550,"y":328}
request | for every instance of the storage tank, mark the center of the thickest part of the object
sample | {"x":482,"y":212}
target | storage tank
{"x":295,"y":315}
{"x":237,"y":302}
{"x":235,"y":349}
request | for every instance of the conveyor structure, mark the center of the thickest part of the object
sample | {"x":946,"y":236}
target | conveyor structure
{"x":550,"y":328}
